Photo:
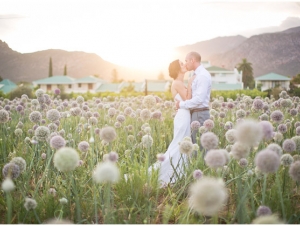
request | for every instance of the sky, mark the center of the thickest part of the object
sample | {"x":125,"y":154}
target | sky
{"x":141,"y":34}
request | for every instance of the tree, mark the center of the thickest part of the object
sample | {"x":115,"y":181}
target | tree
{"x":50,"y":68}
{"x":247,"y":73}
{"x":65,"y":70}
{"x":161,"y":76}
{"x":294,"y":89}
{"x":1,"y":79}
{"x":114,"y":75}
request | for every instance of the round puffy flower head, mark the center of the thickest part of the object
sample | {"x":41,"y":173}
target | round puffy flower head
{"x":57,"y":142}
{"x":228,"y":125}
{"x":282,"y":128}
{"x":207,"y":196}
{"x":263,"y":211}
{"x":128,"y":110}
{"x":42,"y":133}
{"x":289,"y":145}
{"x":93,"y":121}
{"x":249,"y":132}
{"x":149,"y":101}
{"x":39,"y":93}
{"x":297,"y":123}
{"x":197,"y":174}
{"x":294,"y":171}
{"x":195,"y":125}
{"x":66,"y":159}
{"x":18,"y":132}
{"x":120,"y":118}
{"x":202,"y":129}
{"x":222,"y":114}
{"x":209,"y":140}
{"x":108,"y":134}
{"x":79,"y":99}
{"x":7,"y":185}
{"x":20,"y":162}
{"x":106,"y":172}
{"x":293,"y":112}
{"x":286,"y":160}
{"x":215,"y":159}
{"x":297,"y":142}
{"x":11,"y":170}
{"x":277,"y":136}
{"x":264,"y":117}
{"x":63,"y":201}
{"x":53,"y":115}
{"x":267,"y":130}
{"x":83,"y":146}
{"x":277,"y":116}
{"x":209,"y":124}
{"x":147,"y":141}
{"x":4,"y":116}
{"x":298,"y":131}
{"x":243,"y":162}
{"x":117,"y":125}
{"x":43,"y":155}
{"x":35,"y":116}
{"x":230,"y":135}
{"x":113,"y":156}
{"x":258,"y":104}
{"x":186,"y":147}
{"x":30,"y":204}
{"x":240,"y":113}
{"x":145,"y":114}
{"x":52,"y":191}
{"x":147,"y":130}
{"x":296,"y":158}
{"x":160,"y":157}
{"x":239,"y":150}
{"x":267,"y":161}
{"x":111,"y":112}
{"x":156,"y":114}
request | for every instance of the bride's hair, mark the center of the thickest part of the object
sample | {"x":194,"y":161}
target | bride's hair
{"x":174,"y":69}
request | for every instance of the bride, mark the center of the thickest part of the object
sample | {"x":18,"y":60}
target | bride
{"x":173,"y":164}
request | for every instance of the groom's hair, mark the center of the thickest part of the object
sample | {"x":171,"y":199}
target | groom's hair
{"x":174,"y":69}
{"x":196,"y":56}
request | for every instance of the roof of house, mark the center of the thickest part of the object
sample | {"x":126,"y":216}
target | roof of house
{"x":108,"y":87}
{"x":156,"y":86}
{"x":272,"y":77}
{"x":215,"y":68}
{"x":56,"y":79}
{"x":89,"y":79}
{"x":7,"y":86}
{"x":226,"y":86}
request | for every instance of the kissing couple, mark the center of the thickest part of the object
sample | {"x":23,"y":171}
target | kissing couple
{"x":192,"y":104}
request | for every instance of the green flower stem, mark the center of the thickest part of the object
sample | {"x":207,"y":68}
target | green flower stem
{"x":36,"y":217}
{"x":107,"y":203}
{"x":77,"y":204}
{"x":264,"y":189}
{"x":280,"y":195}
{"x":9,"y":207}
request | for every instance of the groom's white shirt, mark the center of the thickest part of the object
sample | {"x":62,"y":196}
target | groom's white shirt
{"x":201,"y":88}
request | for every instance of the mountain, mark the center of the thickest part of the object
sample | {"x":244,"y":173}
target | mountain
{"x":273,"y":52}
{"x":33,"y":66}
{"x":211,"y":47}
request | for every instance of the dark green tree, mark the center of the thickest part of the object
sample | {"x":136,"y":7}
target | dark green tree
{"x":50,"y":68}
{"x":65,"y":70}
{"x":247,"y":73}
{"x":114,"y":75}
{"x":1,"y":79}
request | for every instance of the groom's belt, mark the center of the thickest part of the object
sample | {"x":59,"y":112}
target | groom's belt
{"x":199,"y":109}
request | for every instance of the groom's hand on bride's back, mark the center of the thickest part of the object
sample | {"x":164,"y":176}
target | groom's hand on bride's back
{"x":177,"y":104}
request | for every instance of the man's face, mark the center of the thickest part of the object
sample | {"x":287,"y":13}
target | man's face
{"x":189,"y":63}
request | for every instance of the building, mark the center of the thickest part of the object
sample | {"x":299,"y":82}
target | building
{"x":272,"y":80}
{"x":6,"y":86}
{"x":69,"y":84}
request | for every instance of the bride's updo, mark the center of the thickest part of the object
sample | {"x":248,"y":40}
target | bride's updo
{"x":174,"y":69}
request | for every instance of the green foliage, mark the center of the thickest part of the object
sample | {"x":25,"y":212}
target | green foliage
{"x":247,"y":73}
{"x":50,"y":68}
{"x":20,"y":90}
{"x":233,"y":94}
{"x":294,"y":90}
{"x":65,"y":70}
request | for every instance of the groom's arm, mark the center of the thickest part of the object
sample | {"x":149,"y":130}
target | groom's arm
{"x":199,"y":94}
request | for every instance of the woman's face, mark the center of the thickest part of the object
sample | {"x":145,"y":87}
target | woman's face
{"x":183,"y":67}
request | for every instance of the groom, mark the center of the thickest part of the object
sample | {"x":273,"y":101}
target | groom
{"x":201,"y":86}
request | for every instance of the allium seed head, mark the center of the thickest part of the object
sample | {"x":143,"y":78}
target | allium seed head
{"x":30,"y":204}
{"x":209,"y":140}
{"x":20,"y":162}
{"x":289,"y":145}
{"x":286,"y":160}
{"x":267,"y":161}
{"x":197,"y":174}
{"x":215,"y":159}
{"x":239,"y":150}
{"x":106,"y":172}
{"x":294,"y":171}
{"x":108,"y":134}
{"x":57,"y":142}
{"x":263,"y":211}
{"x":83,"y":146}
{"x":66,"y":159}
{"x":249,"y":132}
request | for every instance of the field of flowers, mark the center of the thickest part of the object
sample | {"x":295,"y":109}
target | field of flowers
{"x":86,"y":161}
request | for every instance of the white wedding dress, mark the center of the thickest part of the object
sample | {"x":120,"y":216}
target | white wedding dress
{"x":173,"y":158}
